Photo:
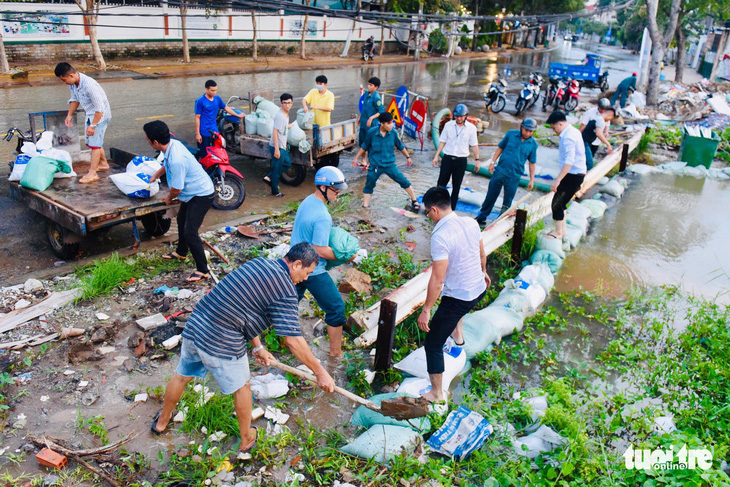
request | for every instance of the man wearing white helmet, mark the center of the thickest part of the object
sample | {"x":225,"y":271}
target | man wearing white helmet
{"x":457,"y":137}
{"x":312,"y":225}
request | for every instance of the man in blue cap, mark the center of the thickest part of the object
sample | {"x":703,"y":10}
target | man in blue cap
{"x":516,"y":147}
{"x":623,"y":90}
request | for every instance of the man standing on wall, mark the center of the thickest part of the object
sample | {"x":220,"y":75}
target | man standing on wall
{"x":88,"y":94}
{"x":206,"y":116}
{"x":321,"y":100}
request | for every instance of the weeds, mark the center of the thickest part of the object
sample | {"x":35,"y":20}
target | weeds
{"x":95,"y":424}
{"x":389,"y":269}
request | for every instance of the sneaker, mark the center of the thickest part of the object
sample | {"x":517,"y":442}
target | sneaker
{"x":482,"y":223}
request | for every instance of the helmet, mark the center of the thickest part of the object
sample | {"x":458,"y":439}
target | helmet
{"x":604,"y":103}
{"x":330,"y":176}
{"x":529,"y":124}
{"x":460,"y":110}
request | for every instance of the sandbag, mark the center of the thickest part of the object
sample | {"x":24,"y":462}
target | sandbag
{"x":578,"y":221}
{"x":533,"y":293}
{"x":623,"y":182}
{"x":415,"y":364}
{"x":641,"y":169}
{"x":551,"y":259}
{"x":463,"y":432}
{"x":264,"y":124}
{"x":344,"y":246}
{"x":415,"y":386}
{"x":717,"y":174}
{"x":135,"y":185}
{"x":39,"y":172}
{"x":603,"y":181}
{"x":305,"y":120}
{"x":367,"y":417}
{"x":264,"y":105}
{"x":144,"y":165}
{"x":609,"y":200}
{"x":552,"y":244}
{"x":383,"y":442}
{"x":537,"y":274}
{"x":696,"y":172}
{"x":598,"y":208}
{"x":21,"y":162}
{"x":64,"y":157}
{"x":573,"y":235}
{"x":576,"y":208}
{"x":295,"y":135}
{"x":304,"y":146}
{"x":674,"y":167}
{"x":488,"y":326}
{"x":613,"y":188}
{"x":515,"y":299}
{"x":474,"y":198}
{"x":250,"y":123}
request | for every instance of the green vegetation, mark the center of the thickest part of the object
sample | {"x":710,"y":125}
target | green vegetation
{"x":389,"y":269}
{"x":95,"y":424}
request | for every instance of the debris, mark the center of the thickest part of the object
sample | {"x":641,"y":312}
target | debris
{"x":141,"y":397}
{"x":151,"y":322}
{"x":164,"y":289}
{"x":405,"y":213}
{"x":106,"y":350}
{"x":217,"y":436}
{"x":172,"y":342}
{"x":542,"y":440}
{"x":82,"y":384}
{"x":141,"y":349}
{"x":137,"y":338}
{"x":269,"y":386}
{"x":165,"y":305}
{"x":242,"y":457}
{"x":217,"y":252}
{"x":21,"y":422}
{"x":411,"y":246}
{"x":102,"y":316}
{"x":51,"y":479}
{"x":184,"y":294}
{"x":276,"y":415}
{"x":32,"y":285}
{"x":99,"y":335}
{"x":69,"y":372}
{"x":179,"y":417}
{"x":463,"y":432}
{"x":256,"y":413}
{"x":355,"y":281}
{"x":23,"y":303}
{"x":49,"y":458}
{"x":71,"y":332}
{"x":51,"y":302}
{"x":32,"y":341}
{"x":88,"y":399}
{"x":83,"y":352}
{"x":44,"y":398}
{"x":664,"y":425}
{"x":21,"y":379}
{"x":129,"y":364}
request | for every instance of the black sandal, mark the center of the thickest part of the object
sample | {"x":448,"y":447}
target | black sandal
{"x":172,"y":255}
{"x":197,"y":277}
{"x":415,"y":206}
{"x":154,"y":424}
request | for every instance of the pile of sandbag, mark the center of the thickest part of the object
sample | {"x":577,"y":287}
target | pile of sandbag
{"x":135,"y":181}
{"x":679,"y":168}
{"x":415,"y":365}
{"x":296,"y":137}
{"x":43,"y":148}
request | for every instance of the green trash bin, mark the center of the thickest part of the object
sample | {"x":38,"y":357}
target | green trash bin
{"x":696,"y":151}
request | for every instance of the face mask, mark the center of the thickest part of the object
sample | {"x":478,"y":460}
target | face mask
{"x":320,"y":87}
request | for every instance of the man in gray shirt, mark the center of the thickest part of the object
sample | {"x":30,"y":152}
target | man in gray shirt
{"x":280,"y":160}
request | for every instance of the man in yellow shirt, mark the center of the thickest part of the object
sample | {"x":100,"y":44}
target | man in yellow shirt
{"x":321,"y":100}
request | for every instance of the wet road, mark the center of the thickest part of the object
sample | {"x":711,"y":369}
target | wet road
{"x":23,"y":245}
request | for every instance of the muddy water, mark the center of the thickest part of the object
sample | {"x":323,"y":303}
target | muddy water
{"x":665,"y":230}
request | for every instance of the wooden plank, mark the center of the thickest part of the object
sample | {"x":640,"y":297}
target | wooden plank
{"x":53,"y":301}
{"x":386,"y":333}
{"x":608,"y":163}
{"x":52,"y":210}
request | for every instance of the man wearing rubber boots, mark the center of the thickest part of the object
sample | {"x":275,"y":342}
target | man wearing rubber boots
{"x":248,"y":301}
{"x":312,"y":225}
{"x":457,"y":137}
{"x":516,"y":147}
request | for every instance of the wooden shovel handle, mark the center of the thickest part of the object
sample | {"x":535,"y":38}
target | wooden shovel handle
{"x":310,"y":377}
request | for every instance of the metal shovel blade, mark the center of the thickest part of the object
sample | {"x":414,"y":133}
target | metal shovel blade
{"x":248,"y":231}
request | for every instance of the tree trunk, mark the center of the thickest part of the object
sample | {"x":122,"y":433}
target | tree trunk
{"x":183,"y":26}
{"x":382,"y":31}
{"x":255,"y":40}
{"x":681,"y":52}
{"x":476,"y":28}
{"x":659,"y":45}
{"x":302,"y":46}
{"x":90,"y":18}
{"x":4,"y":66}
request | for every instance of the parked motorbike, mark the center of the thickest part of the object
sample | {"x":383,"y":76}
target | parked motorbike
{"x":562,"y":92}
{"x":23,"y":137}
{"x":228,"y":182}
{"x":528,"y":94}
{"x":229,"y":126}
{"x":368,"y":51}
{"x":495,"y":98}
{"x":536,"y":81}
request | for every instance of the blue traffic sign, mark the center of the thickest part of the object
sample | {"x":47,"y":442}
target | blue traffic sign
{"x":410,"y":128}
{"x":402,"y":99}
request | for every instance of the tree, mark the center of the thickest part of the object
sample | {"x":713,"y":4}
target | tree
{"x":4,"y":66}
{"x":660,"y":42}
{"x":302,"y":49}
{"x":255,"y":55}
{"x":183,"y":27}
{"x":90,"y":9}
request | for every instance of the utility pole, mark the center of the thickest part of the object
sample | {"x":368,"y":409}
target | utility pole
{"x":417,"y":55}
{"x":721,"y":48}
{"x":476,"y":28}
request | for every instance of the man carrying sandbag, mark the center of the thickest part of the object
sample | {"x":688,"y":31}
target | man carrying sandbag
{"x":192,"y":186}
{"x":321,"y":101}
{"x":248,"y":301}
{"x":90,"y":96}
{"x":458,"y":275}
{"x":280,"y":159}
{"x":313,"y":225}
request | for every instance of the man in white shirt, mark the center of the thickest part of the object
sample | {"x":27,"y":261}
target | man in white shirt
{"x":600,"y":117}
{"x":460,"y":271}
{"x":457,"y":137}
{"x":572,"y":157}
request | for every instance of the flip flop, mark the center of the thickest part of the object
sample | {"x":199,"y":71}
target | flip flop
{"x":278,"y":195}
{"x":267,"y":181}
{"x":154,"y":424}
{"x":86,"y":179}
{"x":552,"y":235}
{"x":172,"y":255}
{"x":415,"y":206}
{"x":197,"y":277}
{"x":255,"y":441}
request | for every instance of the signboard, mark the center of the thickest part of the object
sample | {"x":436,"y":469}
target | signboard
{"x":393,"y":110}
{"x":34,"y":25}
{"x":410,"y":128}
{"x":295,"y":28}
{"x":202,"y":26}
{"x":418,"y":114}
{"x":402,"y":96}
{"x":362,"y":101}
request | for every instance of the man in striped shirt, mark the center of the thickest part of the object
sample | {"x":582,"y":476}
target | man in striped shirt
{"x":247,"y":302}
{"x":88,"y":94}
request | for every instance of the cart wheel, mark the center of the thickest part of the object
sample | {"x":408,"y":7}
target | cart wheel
{"x":295,"y":175}
{"x":59,"y":238}
{"x":328,"y":160}
{"x":155,"y":224}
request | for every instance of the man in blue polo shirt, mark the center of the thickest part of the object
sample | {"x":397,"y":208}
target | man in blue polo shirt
{"x":516,"y":147}
{"x":248,"y":301}
{"x":380,"y":145}
{"x":206,"y":115}
{"x":192,"y":186}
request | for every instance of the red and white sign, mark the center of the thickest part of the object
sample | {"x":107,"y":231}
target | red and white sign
{"x":418,"y":113}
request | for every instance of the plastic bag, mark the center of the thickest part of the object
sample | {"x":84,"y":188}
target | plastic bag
{"x":295,"y":135}
{"x":45,"y":142}
{"x":21,"y":162}
{"x":538,"y":274}
{"x":250,"y":123}
{"x":367,"y":417}
{"x":598,"y":208}
{"x":551,"y":259}
{"x":640,"y":169}
{"x":304,"y":146}
{"x":515,"y":299}
{"x":613,"y":188}
{"x":542,"y":440}
{"x":415,"y":364}
{"x":343,"y":245}
{"x":269,"y":386}
{"x":305,"y":120}
{"x":383,"y":442}
{"x":135,"y":185}
{"x":144,"y":165}
{"x":488,"y":326}
{"x":39,"y":172}
{"x":463,"y":432}
{"x":264,"y":124}
{"x":264,"y":105}
{"x":415,"y":386}
{"x":554,"y":245}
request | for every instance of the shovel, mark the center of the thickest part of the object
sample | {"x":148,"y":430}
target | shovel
{"x":398,"y":408}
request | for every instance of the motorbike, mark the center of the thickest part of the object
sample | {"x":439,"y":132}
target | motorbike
{"x":23,"y":137}
{"x":228,"y":182}
{"x":366,"y":54}
{"x":562,"y":92}
{"x":229,"y":126}
{"x":528,"y":94}
{"x":495,"y":98}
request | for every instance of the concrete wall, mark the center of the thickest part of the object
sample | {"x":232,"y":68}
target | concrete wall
{"x":39,"y":32}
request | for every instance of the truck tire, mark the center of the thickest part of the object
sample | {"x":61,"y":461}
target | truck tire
{"x":295,"y":175}
{"x":58,"y":238}
{"x":328,"y":160}
{"x":155,"y":224}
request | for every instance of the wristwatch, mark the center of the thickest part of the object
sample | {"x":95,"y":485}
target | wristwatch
{"x":92,"y":125}
{"x":256,"y":350}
